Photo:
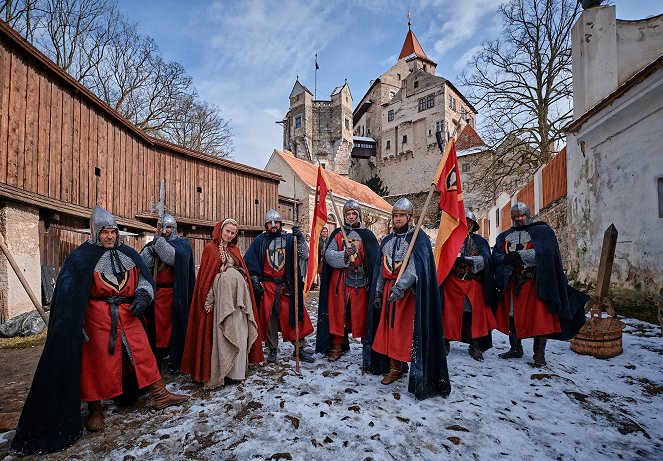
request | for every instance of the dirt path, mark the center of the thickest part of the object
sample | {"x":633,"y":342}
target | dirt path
{"x":17,"y":366}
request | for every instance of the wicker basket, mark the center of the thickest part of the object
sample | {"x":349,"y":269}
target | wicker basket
{"x":600,"y":337}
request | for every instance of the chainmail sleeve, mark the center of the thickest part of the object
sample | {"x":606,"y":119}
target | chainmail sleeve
{"x":302,"y":249}
{"x":165,"y":251}
{"x":144,"y":285}
{"x":411,"y":273}
{"x":528,"y":257}
{"x":148,"y":258}
{"x":477,"y":263}
{"x":379,"y":285}
{"x":334,"y":257}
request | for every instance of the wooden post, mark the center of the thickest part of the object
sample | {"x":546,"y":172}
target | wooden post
{"x":21,"y":278}
{"x":296,"y":289}
{"x":605,"y":271}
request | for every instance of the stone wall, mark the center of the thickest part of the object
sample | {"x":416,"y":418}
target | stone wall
{"x":19,"y":225}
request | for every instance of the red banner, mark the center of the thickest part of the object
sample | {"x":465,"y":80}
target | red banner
{"x":453,"y":225}
{"x":317,"y":223}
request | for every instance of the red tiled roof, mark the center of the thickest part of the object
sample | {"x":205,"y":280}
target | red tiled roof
{"x":411,"y":46}
{"x":468,"y":138}
{"x":340,"y":186}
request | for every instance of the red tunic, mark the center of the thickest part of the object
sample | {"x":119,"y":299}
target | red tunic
{"x":393,"y":337}
{"x":530,"y":315}
{"x":455,"y":292}
{"x":267,"y":301}
{"x":101,"y":372}
{"x":163,"y":304}
{"x":341,"y":296}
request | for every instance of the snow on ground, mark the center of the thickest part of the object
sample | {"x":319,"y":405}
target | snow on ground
{"x":577,"y":407}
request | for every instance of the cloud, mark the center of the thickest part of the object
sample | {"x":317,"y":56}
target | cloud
{"x":465,"y":58}
{"x":453,"y":24}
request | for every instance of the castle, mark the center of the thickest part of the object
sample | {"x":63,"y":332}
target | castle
{"x":391,"y":132}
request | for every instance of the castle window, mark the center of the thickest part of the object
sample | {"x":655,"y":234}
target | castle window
{"x":399,"y":76}
{"x":347,"y":124}
{"x":422,"y":104}
{"x":430,"y":101}
{"x":404,"y":139}
{"x":416,"y":84}
{"x":465,"y":168}
{"x":392,"y":94}
{"x":390,"y":116}
{"x":298,"y":121}
{"x":388,"y":145}
{"x":368,"y":131}
{"x":439,"y":126}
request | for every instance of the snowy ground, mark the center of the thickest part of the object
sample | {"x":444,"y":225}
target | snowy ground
{"x":576,"y":408}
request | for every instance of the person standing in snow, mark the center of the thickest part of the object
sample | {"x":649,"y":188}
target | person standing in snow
{"x":345,"y":291}
{"x":536,"y":300}
{"x":469,"y":294}
{"x":270,"y":261}
{"x":409,"y":310}
{"x":95,"y":336}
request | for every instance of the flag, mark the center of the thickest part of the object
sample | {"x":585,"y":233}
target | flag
{"x":317,"y":223}
{"x":316,"y":62}
{"x":453,"y":225}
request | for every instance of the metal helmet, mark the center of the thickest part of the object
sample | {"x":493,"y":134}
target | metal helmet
{"x":99,"y":220}
{"x":350,"y":205}
{"x":472,"y":223}
{"x":520,"y":209}
{"x":168,"y":220}
{"x":273,"y":217}
{"x":403,"y":205}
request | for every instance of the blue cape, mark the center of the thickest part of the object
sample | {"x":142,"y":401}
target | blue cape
{"x":255,"y":261}
{"x":184,"y":280}
{"x":51,"y":417}
{"x":370,"y":244}
{"x":429,"y":375}
{"x":552,"y":286}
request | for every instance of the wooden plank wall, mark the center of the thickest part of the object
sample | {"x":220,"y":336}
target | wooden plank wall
{"x":505,"y":217}
{"x":53,"y":138}
{"x":553,"y":179}
{"x":526,"y":195}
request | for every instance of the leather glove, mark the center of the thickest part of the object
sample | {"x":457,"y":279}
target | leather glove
{"x":349,"y":251}
{"x":395,"y":294}
{"x":297,"y":232}
{"x":512,"y":258}
{"x":377,"y":301}
{"x":140,"y":303}
{"x":258,"y":291}
{"x":464,"y":260}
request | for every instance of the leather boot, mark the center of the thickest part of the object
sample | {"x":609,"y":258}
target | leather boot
{"x":475,"y":351}
{"x":95,"y":417}
{"x":335,"y":353}
{"x":395,"y":371}
{"x":163,"y":398}
{"x":516,"y":350}
{"x":539,"y":351}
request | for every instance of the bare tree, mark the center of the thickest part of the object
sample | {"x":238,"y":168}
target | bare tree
{"x":521,"y":83}
{"x":199,"y":126}
{"x":97,"y":45}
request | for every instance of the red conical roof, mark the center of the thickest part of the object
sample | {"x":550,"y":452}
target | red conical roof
{"x":412,"y":46}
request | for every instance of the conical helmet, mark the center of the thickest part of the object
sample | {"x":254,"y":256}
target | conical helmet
{"x":472,"y":223}
{"x":403,"y":205}
{"x":99,"y":220}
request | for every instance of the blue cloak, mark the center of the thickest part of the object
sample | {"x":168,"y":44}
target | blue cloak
{"x":51,"y":417}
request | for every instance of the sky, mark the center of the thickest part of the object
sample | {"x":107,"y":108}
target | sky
{"x":245,"y":55}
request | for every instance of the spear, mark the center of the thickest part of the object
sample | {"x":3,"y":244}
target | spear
{"x":295,"y":216}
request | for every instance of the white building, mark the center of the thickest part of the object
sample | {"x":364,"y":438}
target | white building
{"x":614,"y":147}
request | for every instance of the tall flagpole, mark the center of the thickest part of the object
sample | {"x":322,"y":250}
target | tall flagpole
{"x":315,"y":84}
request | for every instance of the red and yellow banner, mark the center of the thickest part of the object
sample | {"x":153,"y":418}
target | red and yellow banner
{"x":453,"y":225}
{"x":317,"y":223}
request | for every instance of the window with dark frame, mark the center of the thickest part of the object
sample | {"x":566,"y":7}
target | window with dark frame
{"x":388,"y":145}
{"x":430,"y":101}
{"x":465,"y":168}
{"x":404,"y":139}
{"x":422,"y":104}
{"x":298,"y":121}
{"x":390,"y":116}
{"x":416,"y":84}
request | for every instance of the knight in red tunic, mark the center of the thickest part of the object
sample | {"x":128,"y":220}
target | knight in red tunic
{"x":469,"y":294}
{"x":175,"y":277}
{"x":345,"y":287}
{"x":95,"y":339}
{"x":536,"y":301}
{"x":269,"y":259}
